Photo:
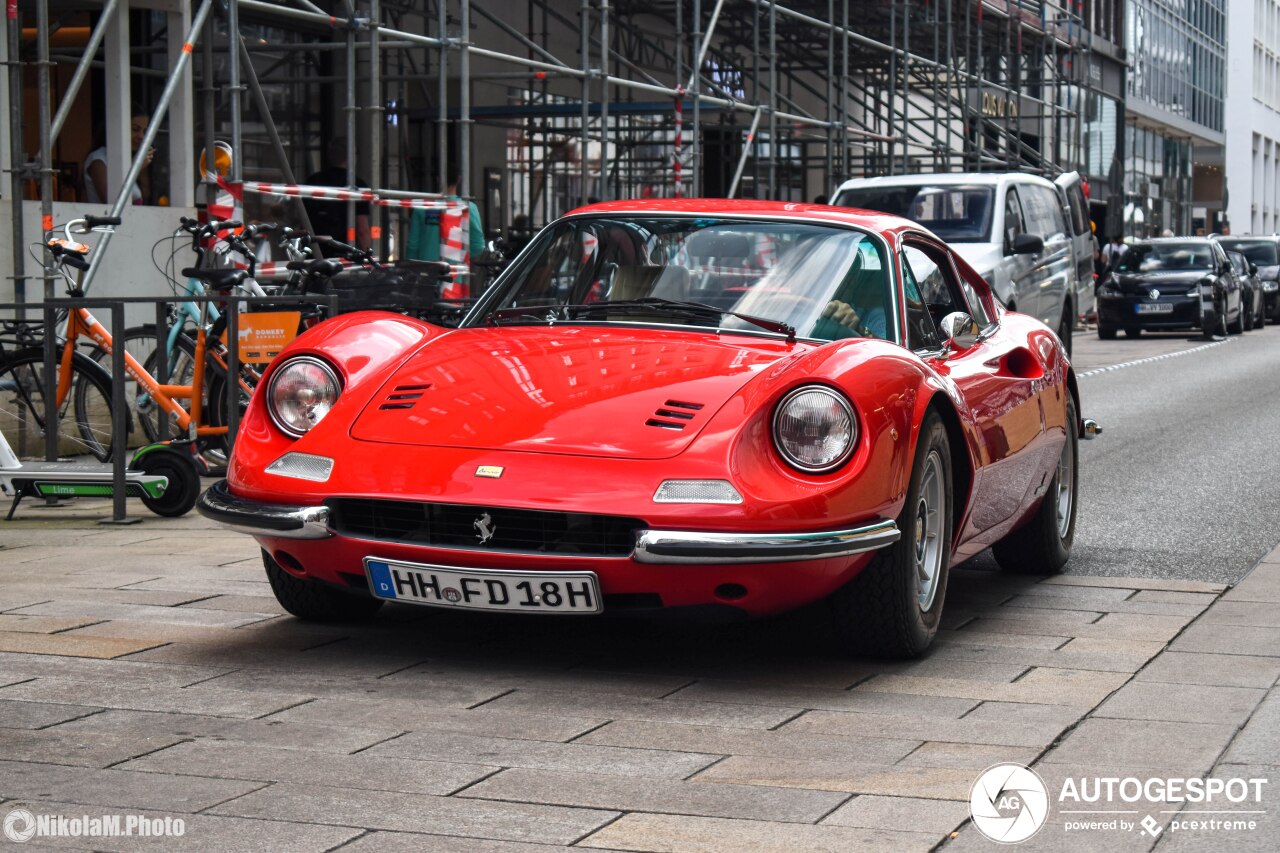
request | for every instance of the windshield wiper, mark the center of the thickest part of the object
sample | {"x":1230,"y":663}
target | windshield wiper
{"x":674,"y":306}
{"x":539,"y":313}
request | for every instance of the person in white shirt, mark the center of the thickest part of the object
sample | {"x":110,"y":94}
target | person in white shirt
{"x":95,"y":165}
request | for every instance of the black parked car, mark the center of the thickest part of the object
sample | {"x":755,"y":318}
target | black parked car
{"x":1170,"y":284}
{"x":1265,"y":252}
{"x":1255,"y":314}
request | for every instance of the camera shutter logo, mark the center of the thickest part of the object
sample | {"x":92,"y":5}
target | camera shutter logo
{"x":1009,"y":803}
{"x":19,"y":825}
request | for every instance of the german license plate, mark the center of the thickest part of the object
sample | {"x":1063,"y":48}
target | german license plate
{"x":484,"y":589}
{"x":1154,"y":308}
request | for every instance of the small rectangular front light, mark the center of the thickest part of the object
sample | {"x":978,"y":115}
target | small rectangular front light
{"x":302,"y":466}
{"x":696,"y":492}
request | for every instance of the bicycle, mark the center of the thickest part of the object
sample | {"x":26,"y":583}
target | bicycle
{"x":81,"y":380}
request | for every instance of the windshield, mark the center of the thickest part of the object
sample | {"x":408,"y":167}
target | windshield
{"x":957,"y":214}
{"x":1260,"y":252}
{"x":825,"y":282}
{"x":1166,"y":257}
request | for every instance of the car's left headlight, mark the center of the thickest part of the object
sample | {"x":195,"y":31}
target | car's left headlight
{"x":302,"y":391}
{"x":814,"y":429}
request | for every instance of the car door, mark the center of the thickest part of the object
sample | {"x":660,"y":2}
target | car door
{"x":1024,"y":285}
{"x":1073,"y":191}
{"x":998,"y":380}
{"x":1054,"y":270}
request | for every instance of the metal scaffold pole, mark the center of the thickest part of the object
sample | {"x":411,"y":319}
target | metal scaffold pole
{"x":18,"y":157}
{"x":46,"y":153}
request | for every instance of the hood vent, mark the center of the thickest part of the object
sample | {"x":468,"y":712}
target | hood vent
{"x":403,"y":396}
{"x":674,"y":414}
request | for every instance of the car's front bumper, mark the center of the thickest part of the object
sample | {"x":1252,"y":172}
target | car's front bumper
{"x":284,"y":521}
{"x":1122,"y":312}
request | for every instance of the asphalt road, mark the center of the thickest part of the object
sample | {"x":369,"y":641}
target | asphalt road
{"x":1185,"y":481}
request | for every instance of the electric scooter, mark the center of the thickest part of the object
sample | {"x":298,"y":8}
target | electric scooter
{"x":165,"y":478}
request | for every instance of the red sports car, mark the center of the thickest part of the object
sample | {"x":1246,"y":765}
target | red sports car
{"x":671,"y":404}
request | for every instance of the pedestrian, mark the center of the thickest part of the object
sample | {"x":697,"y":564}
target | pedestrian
{"x":329,"y":218}
{"x":95,"y":165}
{"x":1113,"y":252}
{"x":425,"y":240}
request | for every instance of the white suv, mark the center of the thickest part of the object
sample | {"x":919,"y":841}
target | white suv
{"x":1012,"y":228}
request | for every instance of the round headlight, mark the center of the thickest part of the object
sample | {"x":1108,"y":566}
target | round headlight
{"x":814,"y":429}
{"x":301,"y":393}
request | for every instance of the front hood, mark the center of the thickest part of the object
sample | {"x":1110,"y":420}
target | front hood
{"x":585,"y":391}
{"x":1142,"y":282}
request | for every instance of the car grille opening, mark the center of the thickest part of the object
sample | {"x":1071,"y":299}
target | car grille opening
{"x":673,"y":414}
{"x":484,"y":528}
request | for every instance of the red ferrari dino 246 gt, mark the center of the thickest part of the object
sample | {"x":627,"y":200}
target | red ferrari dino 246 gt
{"x":668,"y":404}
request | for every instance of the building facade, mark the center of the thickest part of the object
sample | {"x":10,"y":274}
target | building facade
{"x":1175,"y":108}
{"x":1253,"y":117}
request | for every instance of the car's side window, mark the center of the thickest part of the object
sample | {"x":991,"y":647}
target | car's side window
{"x":939,"y":291}
{"x":1042,"y":210}
{"x":922,"y":334}
{"x":1012,"y":218}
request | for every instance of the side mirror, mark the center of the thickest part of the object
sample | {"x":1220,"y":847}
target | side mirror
{"x":1253,"y":269}
{"x":959,"y":332}
{"x":1027,"y":244}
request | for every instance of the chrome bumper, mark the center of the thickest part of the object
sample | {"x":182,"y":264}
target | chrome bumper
{"x":263,"y":519}
{"x":674,"y":546}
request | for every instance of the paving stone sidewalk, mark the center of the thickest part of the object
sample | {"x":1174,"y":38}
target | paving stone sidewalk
{"x":133,"y":681}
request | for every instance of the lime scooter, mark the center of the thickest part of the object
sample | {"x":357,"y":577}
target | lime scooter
{"x":165,"y":478}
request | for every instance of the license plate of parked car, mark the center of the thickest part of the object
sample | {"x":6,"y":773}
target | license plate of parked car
{"x":484,"y":589}
{"x":1155,"y":308}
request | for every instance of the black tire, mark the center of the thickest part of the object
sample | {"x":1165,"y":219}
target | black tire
{"x":1246,"y":313}
{"x":1106,"y":333}
{"x":880,"y":612}
{"x":1214,"y":324}
{"x":1042,"y":545}
{"x":1237,"y":328}
{"x":316,"y":602}
{"x":84,"y":418}
{"x":184,"y":481}
{"x":1133,"y":332}
{"x":1065,"y":327}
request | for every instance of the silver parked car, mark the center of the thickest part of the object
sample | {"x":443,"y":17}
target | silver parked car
{"x":1011,"y":227}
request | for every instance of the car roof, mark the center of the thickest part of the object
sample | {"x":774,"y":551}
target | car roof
{"x":1159,"y":240}
{"x":948,"y":179}
{"x":1257,"y":238}
{"x":868,"y":219}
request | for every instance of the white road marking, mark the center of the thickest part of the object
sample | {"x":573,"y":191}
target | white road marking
{"x":1125,"y":364}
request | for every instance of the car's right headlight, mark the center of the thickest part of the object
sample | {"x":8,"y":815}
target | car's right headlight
{"x":814,"y":429}
{"x":301,"y":392}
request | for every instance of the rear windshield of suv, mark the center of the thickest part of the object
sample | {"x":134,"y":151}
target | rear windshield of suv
{"x":956,"y":213}
{"x":1260,"y":252}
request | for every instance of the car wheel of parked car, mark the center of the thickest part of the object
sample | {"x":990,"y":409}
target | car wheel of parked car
{"x":314,"y":601}
{"x":1043,"y":544}
{"x":892,"y":608}
{"x":1133,"y":332}
{"x":1237,"y":328}
{"x":1064,"y":329}
{"x":1106,"y":333}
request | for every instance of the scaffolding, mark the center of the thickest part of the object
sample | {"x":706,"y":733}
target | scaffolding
{"x":548,"y":104}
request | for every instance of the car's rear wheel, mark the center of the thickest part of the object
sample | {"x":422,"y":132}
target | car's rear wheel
{"x":892,"y":608}
{"x":314,"y":601}
{"x":1043,"y":544}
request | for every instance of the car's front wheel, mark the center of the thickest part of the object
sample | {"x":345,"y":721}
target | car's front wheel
{"x":892,"y":608}
{"x":314,"y":601}
{"x":1106,"y":333}
{"x":1043,"y":544}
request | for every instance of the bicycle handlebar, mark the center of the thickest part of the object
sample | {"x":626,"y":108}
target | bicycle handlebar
{"x":97,"y":221}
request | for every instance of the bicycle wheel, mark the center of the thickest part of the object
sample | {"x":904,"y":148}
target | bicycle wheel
{"x":139,"y":342}
{"x":84,"y":418}
{"x":180,"y":370}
